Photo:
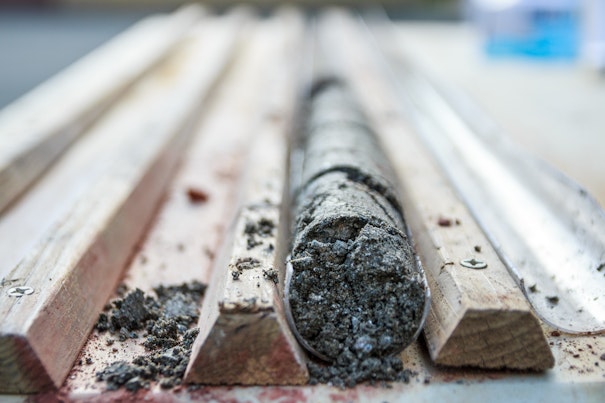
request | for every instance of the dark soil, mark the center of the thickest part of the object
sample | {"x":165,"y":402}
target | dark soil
{"x":552,"y":300}
{"x":355,"y":301}
{"x":165,"y":324}
{"x":349,"y":370}
{"x":271,"y":275}
{"x":356,"y":295}
{"x":246,"y":263}
{"x":256,"y":231}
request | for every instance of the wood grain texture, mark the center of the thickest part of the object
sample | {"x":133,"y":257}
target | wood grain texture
{"x":576,"y":377}
{"x":36,"y":129}
{"x":244,"y":337}
{"x":181,"y":243}
{"x":478,"y":317}
{"x":76,"y":263}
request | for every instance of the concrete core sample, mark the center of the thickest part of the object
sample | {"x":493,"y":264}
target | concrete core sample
{"x":356,"y":295}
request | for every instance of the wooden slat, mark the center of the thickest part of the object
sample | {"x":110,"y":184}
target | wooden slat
{"x":478,"y":318}
{"x":182,"y":243}
{"x":38,"y":127}
{"x":76,"y":263}
{"x":244,"y":337}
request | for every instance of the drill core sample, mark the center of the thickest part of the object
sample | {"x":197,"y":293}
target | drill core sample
{"x":356,"y":294}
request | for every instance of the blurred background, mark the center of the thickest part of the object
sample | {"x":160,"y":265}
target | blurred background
{"x":535,"y":67}
{"x":40,"y":37}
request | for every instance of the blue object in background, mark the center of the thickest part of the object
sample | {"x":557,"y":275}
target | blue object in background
{"x":546,"y":29}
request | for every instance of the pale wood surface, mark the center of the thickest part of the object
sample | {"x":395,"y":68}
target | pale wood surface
{"x":38,"y":127}
{"x":75,"y":263}
{"x":182,"y":241}
{"x":554,"y":110}
{"x":478,"y":318}
{"x":244,"y":338}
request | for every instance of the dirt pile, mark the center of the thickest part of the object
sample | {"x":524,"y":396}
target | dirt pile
{"x":165,"y":323}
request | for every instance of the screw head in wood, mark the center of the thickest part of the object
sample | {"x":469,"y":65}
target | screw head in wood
{"x":473,"y":263}
{"x":20,"y":291}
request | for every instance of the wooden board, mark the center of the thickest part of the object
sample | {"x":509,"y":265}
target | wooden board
{"x":180,"y":245}
{"x":41,"y":125}
{"x":186,"y":235}
{"x":77,"y":260}
{"x":244,"y":337}
{"x":478,"y":318}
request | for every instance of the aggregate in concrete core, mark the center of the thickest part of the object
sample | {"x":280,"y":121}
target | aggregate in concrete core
{"x":166,"y":322}
{"x":356,"y":295}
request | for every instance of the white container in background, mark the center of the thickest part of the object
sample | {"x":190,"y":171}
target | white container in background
{"x":593,"y":33}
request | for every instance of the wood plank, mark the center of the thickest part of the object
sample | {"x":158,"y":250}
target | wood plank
{"x":184,"y":237}
{"x":478,"y":318}
{"x":547,"y":229}
{"x":76,"y":263}
{"x":244,"y":337}
{"x":41,"y":125}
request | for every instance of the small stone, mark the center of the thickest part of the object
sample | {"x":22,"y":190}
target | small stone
{"x":197,"y":196}
{"x":444,"y":222}
{"x":271,"y":275}
{"x":102,"y":323}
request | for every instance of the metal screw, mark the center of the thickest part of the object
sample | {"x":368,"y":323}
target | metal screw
{"x":473,"y":263}
{"x":20,"y":291}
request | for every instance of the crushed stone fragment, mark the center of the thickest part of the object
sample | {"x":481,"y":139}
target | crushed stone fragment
{"x":164,"y":323}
